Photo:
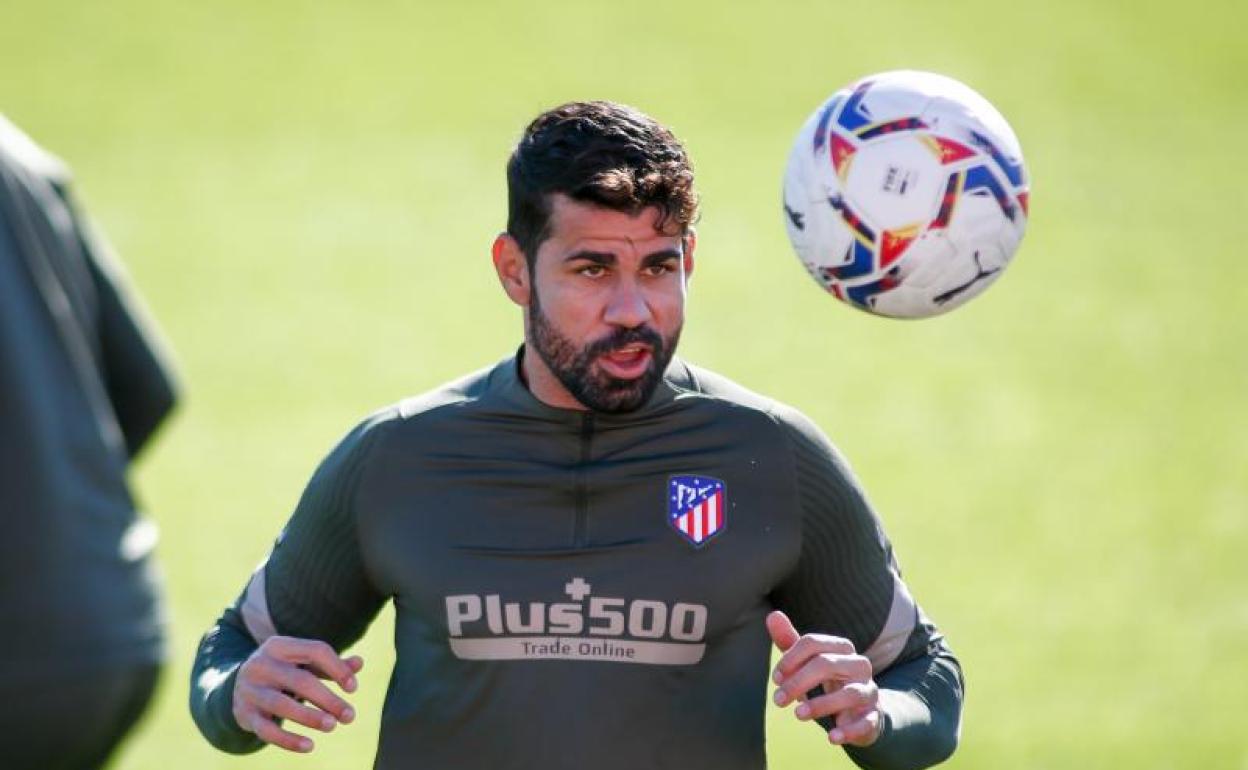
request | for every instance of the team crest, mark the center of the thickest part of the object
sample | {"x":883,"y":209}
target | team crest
{"x":696,"y":507}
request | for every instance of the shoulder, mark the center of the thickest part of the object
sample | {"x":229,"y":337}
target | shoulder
{"x":699,"y":384}
{"x":462,"y":392}
{"x":810,"y":446}
{"x":19,"y":151}
{"x":445,"y":402}
{"x":695,"y":382}
{"x":373,"y":437}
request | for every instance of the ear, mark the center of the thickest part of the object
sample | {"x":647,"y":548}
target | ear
{"x":691,"y":243}
{"x":512,"y":268}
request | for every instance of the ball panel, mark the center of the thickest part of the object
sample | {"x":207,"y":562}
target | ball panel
{"x":896,"y":182}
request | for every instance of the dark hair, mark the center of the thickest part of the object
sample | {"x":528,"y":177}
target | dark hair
{"x":598,"y":152}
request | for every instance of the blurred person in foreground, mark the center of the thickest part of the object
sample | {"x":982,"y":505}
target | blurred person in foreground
{"x":590,"y":546}
{"x":83,"y":385}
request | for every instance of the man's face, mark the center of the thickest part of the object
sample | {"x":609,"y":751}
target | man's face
{"x":607,"y":303}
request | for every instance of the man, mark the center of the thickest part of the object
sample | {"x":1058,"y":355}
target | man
{"x":586,"y":544}
{"x":83,"y":386}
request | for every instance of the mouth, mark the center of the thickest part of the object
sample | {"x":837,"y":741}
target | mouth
{"x":626,"y":362}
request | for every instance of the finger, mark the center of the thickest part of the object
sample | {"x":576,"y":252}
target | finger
{"x":256,"y":680}
{"x":315,"y":655}
{"x":819,"y":671}
{"x":268,"y":731}
{"x":355,"y":663}
{"x":781,"y":630}
{"x":848,"y":703}
{"x":849,"y":716}
{"x":302,"y":683}
{"x":283,"y":706}
{"x":807,"y":647}
{"x":858,"y":731}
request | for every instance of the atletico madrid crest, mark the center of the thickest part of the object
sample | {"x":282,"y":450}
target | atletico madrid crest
{"x":696,"y":507}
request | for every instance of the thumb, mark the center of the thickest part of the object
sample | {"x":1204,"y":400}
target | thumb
{"x":781,"y":630}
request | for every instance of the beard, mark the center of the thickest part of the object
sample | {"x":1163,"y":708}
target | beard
{"x":576,"y":368}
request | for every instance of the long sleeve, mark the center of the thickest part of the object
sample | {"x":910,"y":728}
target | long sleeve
{"x":76,"y":581}
{"x":922,"y":704}
{"x":847,"y":583}
{"x":314,"y":585}
{"x":222,"y":650}
{"x":136,"y":370}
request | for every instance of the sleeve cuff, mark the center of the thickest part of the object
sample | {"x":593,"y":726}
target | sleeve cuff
{"x":225,"y":731}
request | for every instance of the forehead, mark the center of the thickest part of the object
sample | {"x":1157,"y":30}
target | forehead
{"x":576,"y":225}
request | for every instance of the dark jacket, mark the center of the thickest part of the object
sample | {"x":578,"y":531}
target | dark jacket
{"x":82,"y":388}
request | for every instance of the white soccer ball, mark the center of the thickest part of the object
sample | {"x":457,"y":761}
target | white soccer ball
{"x":906,"y":194}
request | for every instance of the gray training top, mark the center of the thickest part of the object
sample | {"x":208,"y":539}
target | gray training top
{"x":575,"y":589}
{"x":82,"y":388}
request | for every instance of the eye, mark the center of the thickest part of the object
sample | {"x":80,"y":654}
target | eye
{"x":592,"y":271}
{"x":660,"y":269}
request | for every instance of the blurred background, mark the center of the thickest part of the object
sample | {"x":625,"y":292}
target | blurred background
{"x":305,"y":194}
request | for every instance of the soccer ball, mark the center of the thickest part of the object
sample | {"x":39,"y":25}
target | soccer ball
{"x":905,"y":194}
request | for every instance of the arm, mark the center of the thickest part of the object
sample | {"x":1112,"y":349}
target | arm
{"x":115,"y":355}
{"x":892,"y":689}
{"x":311,"y":598}
{"x":136,"y":371}
{"x":213,"y":676}
{"x":240,"y":690}
{"x":905,"y":717}
{"x":921,"y":704}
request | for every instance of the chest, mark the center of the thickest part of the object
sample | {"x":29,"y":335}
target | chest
{"x":598,"y":534}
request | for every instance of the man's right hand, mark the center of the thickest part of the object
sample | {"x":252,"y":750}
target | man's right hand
{"x":282,"y":680}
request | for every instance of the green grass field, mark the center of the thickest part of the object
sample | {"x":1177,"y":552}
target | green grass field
{"x":305,"y":193}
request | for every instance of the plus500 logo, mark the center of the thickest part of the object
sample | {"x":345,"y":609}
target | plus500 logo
{"x":596,"y":616}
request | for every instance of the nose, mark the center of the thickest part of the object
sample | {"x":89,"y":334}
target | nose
{"x":627,"y":306}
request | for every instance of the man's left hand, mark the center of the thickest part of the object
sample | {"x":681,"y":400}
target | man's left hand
{"x":849,"y":694}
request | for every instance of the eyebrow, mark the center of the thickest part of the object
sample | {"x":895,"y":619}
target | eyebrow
{"x":608,"y":258}
{"x":660,"y":256}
